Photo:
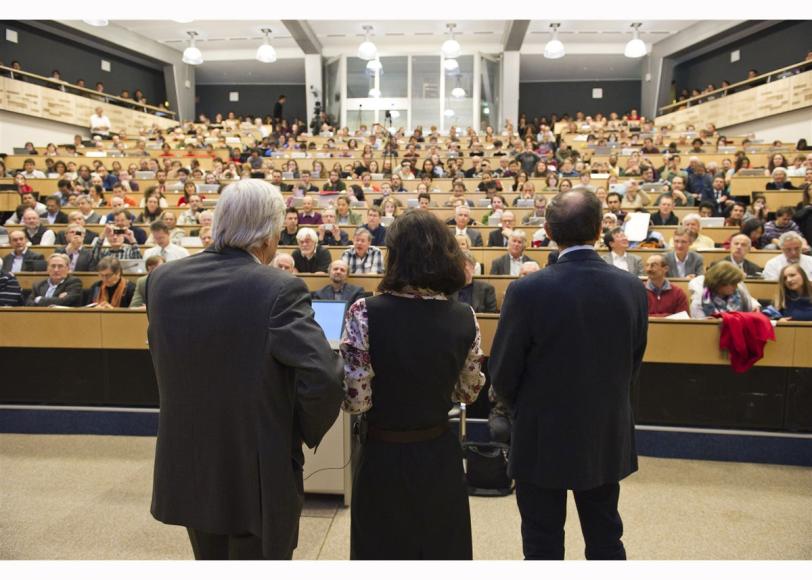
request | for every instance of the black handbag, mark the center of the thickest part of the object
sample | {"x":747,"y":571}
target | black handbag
{"x":486,"y":469}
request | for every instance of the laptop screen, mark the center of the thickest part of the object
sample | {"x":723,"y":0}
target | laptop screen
{"x":330,"y":316}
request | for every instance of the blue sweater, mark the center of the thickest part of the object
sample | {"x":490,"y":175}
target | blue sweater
{"x":798,"y":309}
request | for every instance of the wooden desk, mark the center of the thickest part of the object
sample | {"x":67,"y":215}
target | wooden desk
{"x":745,"y":186}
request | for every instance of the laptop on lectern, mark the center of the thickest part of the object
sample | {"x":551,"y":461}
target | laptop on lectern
{"x":329,"y":315}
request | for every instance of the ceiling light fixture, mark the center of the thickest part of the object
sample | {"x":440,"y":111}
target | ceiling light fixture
{"x":395,"y":114}
{"x":554,"y":48}
{"x":367,"y":50}
{"x":451,"y":48}
{"x":99,"y":22}
{"x":192,"y":54}
{"x":458,"y":92}
{"x":266,"y":53}
{"x":635,"y":48}
{"x":451,"y":64}
{"x":183,"y":20}
{"x":374,"y":66}
{"x":448,"y":112}
{"x":374,"y":93}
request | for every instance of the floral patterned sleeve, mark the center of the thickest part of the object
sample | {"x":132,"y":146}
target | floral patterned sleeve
{"x":471,"y":377}
{"x":358,"y":371}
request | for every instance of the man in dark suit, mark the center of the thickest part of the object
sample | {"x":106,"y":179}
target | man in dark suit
{"x":81,"y":259}
{"x":76,"y":217}
{"x":462,"y":217}
{"x":780,"y":180}
{"x":21,"y":259}
{"x":568,"y":347}
{"x":338,"y":288}
{"x":60,"y":288}
{"x":480,"y":295}
{"x":54,"y":215}
{"x":511,"y":263}
{"x":500,"y":237}
{"x":740,"y":245}
{"x":239,"y":403}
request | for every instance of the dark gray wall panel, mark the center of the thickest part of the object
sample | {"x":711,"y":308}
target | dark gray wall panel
{"x":254,"y":100}
{"x":546,"y":98}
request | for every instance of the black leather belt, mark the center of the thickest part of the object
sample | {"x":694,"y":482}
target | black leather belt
{"x":415,"y":436}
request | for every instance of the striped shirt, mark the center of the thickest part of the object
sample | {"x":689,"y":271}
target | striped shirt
{"x":124,"y":252}
{"x":10,"y":292}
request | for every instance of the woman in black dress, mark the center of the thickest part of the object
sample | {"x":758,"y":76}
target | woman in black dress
{"x":409,"y":353}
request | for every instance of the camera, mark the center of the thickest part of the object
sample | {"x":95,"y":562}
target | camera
{"x":119,"y":231}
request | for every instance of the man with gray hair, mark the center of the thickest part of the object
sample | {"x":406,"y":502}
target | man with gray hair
{"x":59,"y":288}
{"x":791,"y":244}
{"x":511,"y":263}
{"x":256,"y":380}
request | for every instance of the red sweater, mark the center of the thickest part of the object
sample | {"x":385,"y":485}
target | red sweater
{"x":667,"y":303}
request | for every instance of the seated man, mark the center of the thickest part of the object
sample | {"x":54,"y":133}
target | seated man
{"x":462,"y":217}
{"x":288,"y":236}
{"x":308,"y":215}
{"x":21,"y":259}
{"x":141,"y":284}
{"x":60,"y":288}
{"x":112,"y":290}
{"x":276,"y":181}
{"x":374,"y":227}
{"x":330,"y":234}
{"x":682,"y":262}
{"x":500,"y":237}
{"x":99,"y":124}
{"x":284,"y":262}
{"x":718,"y":197}
{"x":613,"y":204}
{"x":363,"y":258}
{"x":511,"y":263}
{"x":115,"y":242}
{"x":163,"y":243}
{"x":81,"y":259}
{"x":693,"y":224}
{"x":54,"y":213}
{"x":479,"y":295}
{"x":191,"y":214}
{"x":75,"y":217}
{"x":739,"y":248}
{"x":310,"y":257}
{"x":10,"y":292}
{"x":539,"y":208}
{"x":37,"y":234}
{"x":618,"y":244}
{"x":665,"y":215}
{"x":791,"y":244}
{"x":774,"y":229}
{"x":334,"y":183}
{"x":664,"y":299}
{"x":338,"y":288}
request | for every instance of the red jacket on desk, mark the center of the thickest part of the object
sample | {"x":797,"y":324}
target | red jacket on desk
{"x":744,"y":335}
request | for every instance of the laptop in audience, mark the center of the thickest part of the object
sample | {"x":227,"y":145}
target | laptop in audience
{"x":20,"y":151}
{"x":288,"y":175}
{"x":129,"y":266}
{"x":377,"y":176}
{"x":750,"y":173}
{"x":525,"y":203}
{"x":145,"y":175}
{"x":712,"y":222}
{"x":208,"y":187}
{"x":329,"y":314}
{"x":412,"y":203}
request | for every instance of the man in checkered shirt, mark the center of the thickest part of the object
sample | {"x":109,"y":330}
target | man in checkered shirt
{"x":363,"y":258}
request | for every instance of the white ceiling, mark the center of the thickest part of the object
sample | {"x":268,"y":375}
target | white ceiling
{"x":594,"y":47}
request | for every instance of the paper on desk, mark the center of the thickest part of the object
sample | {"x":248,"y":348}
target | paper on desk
{"x":636,"y":227}
{"x":682,"y":315}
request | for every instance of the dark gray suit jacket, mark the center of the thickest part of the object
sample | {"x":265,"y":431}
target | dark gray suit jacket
{"x":474,"y":236}
{"x":32,"y":262}
{"x":635,"y":263}
{"x":567,"y":350}
{"x":694,"y":264}
{"x":351,"y":293}
{"x":501,"y":266}
{"x":245,"y":376}
{"x":85,"y":261}
{"x":72,"y":285}
{"x":751,"y":270}
{"x":483,"y":297}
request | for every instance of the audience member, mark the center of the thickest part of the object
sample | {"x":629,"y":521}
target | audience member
{"x":664,"y":299}
{"x":511,"y":263}
{"x":794,"y":294}
{"x":721,"y":290}
{"x":339,"y":288}
{"x":618,"y":244}
{"x":330,"y":234}
{"x":480,"y":295}
{"x":99,"y":124}
{"x":374,"y":227}
{"x":308,"y":215}
{"x":60,"y":288}
{"x":291,"y":227}
{"x":773,"y":229}
{"x":462,"y":219}
{"x":37,"y":234}
{"x":665,"y":215}
{"x":112,"y":290}
{"x":81,"y":259}
{"x":683,"y":262}
{"x":310,"y":257}
{"x":692,"y":222}
{"x":27,"y":200}
{"x":111,"y":242}
{"x":739,"y":248}
{"x":21,"y":259}
{"x":791,"y":244}
{"x":529,"y":268}
{"x":10,"y":292}
{"x":284,"y":261}
{"x":500,"y":237}
{"x":141,"y":284}
{"x":344,"y":215}
{"x":54,"y":215}
{"x":163,"y":244}
{"x":362,"y":257}
{"x":780,"y":180}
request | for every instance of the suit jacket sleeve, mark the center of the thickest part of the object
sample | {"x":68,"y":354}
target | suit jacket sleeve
{"x":642,"y":332}
{"x":298,"y":342}
{"x":489,"y":299}
{"x":510,"y":345}
{"x":496,"y":267}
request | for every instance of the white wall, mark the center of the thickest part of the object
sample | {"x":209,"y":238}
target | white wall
{"x":16,"y":129}
{"x":788,"y":127}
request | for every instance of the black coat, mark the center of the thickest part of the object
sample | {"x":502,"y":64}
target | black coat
{"x":85,"y":261}
{"x":32,"y":262}
{"x":245,"y":376}
{"x":568,"y":347}
{"x":483,"y":297}
{"x":70,"y":285}
{"x":496,"y":239}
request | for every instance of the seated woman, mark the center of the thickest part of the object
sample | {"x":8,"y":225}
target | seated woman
{"x":152,"y":210}
{"x":720,"y":290}
{"x":794,"y":294}
{"x":112,"y":290}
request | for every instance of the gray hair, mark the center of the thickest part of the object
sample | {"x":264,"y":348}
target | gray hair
{"x":692,"y":217}
{"x":519,"y":234}
{"x":788,"y":237}
{"x":778,"y":170}
{"x":307,"y":233}
{"x":249,"y":212}
{"x":469,"y":257}
{"x":459,"y":208}
{"x":282,"y":256}
{"x":63,"y":257}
